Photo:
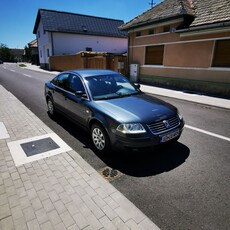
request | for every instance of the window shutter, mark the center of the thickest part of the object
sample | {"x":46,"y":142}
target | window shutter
{"x":222,"y":54}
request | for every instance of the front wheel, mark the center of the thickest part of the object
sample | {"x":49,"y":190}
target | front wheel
{"x":50,"y":106}
{"x":100,"y":138}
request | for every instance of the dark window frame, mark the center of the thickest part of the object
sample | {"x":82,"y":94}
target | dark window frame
{"x":221,"y":57}
{"x":154,"y":55}
{"x":151,"y":31}
{"x":138,"y":33}
{"x":166,"y":29}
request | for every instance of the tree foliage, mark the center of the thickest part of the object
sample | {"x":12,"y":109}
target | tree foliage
{"x":5,"y":53}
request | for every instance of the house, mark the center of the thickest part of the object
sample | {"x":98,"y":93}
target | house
{"x":62,"y":33}
{"x":33,"y":46}
{"x":183,"y":44}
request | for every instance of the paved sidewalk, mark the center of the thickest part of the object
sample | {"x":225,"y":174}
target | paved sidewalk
{"x":202,"y":99}
{"x":57,"y":191}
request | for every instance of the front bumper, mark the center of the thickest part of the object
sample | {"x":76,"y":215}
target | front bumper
{"x":145,"y":141}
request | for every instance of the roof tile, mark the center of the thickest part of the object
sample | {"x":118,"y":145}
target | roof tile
{"x":58,"y":21}
{"x":203,"y":11}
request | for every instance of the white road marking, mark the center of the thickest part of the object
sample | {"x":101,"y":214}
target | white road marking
{"x":12,"y":70}
{"x":27,"y":75}
{"x":208,"y":133}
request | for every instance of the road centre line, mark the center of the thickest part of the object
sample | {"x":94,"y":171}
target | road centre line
{"x":208,"y":133}
{"x":27,"y":75}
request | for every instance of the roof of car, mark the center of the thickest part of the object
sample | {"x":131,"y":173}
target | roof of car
{"x":91,"y":72}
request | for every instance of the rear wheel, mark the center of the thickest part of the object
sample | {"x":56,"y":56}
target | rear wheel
{"x":100,"y":138}
{"x":50,"y":106}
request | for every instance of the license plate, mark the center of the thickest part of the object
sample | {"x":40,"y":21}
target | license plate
{"x":170,"y":136}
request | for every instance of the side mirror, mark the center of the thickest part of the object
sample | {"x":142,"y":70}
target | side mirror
{"x":137,"y":85}
{"x":81,"y":94}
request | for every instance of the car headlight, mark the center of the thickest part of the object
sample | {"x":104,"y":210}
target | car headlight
{"x":134,"y":128}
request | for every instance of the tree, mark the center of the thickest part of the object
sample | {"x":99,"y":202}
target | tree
{"x":28,"y":53}
{"x":5,"y":53}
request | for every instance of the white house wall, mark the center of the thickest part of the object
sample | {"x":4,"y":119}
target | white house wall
{"x":44,"y":44}
{"x":64,"y":43}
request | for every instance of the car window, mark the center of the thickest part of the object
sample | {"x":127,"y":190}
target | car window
{"x":75,"y":84}
{"x":61,"y":80}
{"x":110,"y":86}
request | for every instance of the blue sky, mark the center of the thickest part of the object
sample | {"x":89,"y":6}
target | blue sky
{"x":17,"y":17}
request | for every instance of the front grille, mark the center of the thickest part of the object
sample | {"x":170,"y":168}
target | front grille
{"x":164,"y":125}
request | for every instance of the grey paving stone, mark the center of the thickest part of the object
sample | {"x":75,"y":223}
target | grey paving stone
{"x":33,"y":225}
{"x":48,"y":205}
{"x":46,"y":226}
{"x":109,"y":212}
{"x":42,"y":194}
{"x":60,"y":207}
{"x":41,"y":216}
{"x":53,"y":196}
{"x":107,"y":223}
{"x":20,"y":224}
{"x":80,"y":220}
{"x":60,"y":226}
{"x":16,"y":212}
{"x":3,"y":199}
{"x":7,"y":223}
{"x":5,"y":211}
{"x":121,"y":225}
{"x":24,"y":202}
{"x":72,"y":208}
{"x":94,"y":222}
{"x":54,"y":217}
{"x":67,"y":219}
{"x":29,"y":213}
{"x":36,"y":204}
{"x":13,"y":201}
{"x":75,"y":227}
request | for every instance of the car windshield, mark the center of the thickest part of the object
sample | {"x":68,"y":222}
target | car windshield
{"x":110,"y":86}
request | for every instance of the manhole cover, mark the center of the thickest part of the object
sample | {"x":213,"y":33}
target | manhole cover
{"x":109,"y":173}
{"x":39,"y":146}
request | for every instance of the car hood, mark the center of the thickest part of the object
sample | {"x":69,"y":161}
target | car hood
{"x":138,"y":108}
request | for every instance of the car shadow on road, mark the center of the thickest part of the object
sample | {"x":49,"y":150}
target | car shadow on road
{"x":148,"y":162}
{"x":140,"y":163}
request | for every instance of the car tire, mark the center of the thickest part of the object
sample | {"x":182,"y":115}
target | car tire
{"x":50,"y":106}
{"x":100,"y":139}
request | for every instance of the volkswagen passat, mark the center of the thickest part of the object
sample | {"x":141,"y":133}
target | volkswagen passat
{"x":115,"y":111}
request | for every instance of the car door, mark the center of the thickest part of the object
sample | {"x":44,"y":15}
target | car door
{"x":60,"y":91}
{"x":76,"y":105}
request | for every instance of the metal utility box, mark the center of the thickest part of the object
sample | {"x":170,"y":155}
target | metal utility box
{"x":134,"y":72}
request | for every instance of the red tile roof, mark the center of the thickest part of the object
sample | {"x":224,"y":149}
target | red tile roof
{"x":202,"y":11}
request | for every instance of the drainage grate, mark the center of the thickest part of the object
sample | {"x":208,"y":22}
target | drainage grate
{"x":109,"y":173}
{"x":39,"y":146}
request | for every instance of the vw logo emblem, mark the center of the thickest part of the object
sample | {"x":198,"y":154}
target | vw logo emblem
{"x":166,"y":124}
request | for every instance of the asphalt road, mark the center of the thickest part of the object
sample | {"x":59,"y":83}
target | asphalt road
{"x":182,"y":186}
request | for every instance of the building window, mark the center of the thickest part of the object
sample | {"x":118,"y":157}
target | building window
{"x":89,"y":49}
{"x":222,"y":53}
{"x":138,"y":34}
{"x":40,"y":53}
{"x":166,"y":29}
{"x":48,"y":52}
{"x":151,"y":31}
{"x":38,"y":34}
{"x":154,"y":55}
